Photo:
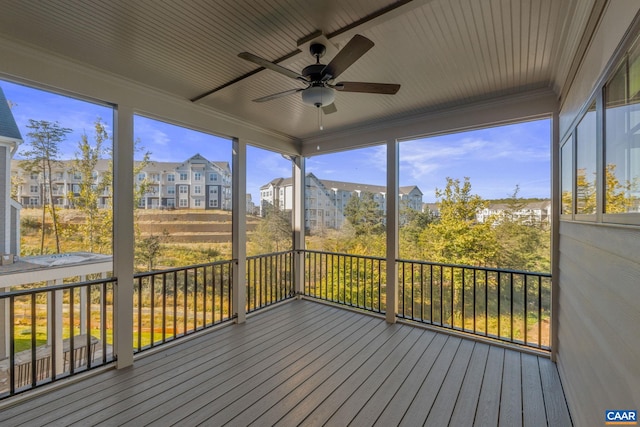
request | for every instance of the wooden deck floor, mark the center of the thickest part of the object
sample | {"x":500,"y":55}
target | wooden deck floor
{"x":311,"y":364}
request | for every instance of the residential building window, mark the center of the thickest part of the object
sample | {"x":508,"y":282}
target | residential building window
{"x":213,"y":177}
{"x":197,"y":189}
{"x":171,"y":203}
{"x":59,"y":176}
{"x":141,"y":176}
{"x":33,"y":201}
{"x":183,"y":176}
{"x":566,"y":178}
{"x":171,"y":177}
{"x":197,"y":176}
{"x":155,"y":177}
{"x":622,"y":137}
{"x":586,"y":146}
{"x":183,"y":203}
{"x":33,"y":188}
{"x":33,"y":175}
{"x":171,"y":189}
{"x":77,"y":176}
{"x":197,"y":202}
{"x":184,"y":189}
{"x":213,"y":203}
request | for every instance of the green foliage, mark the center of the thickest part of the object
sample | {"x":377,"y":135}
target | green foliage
{"x":364,"y":215}
{"x":457,"y":237}
{"x":148,"y":249}
{"x":273,"y":234}
{"x":41,"y":154}
{"x":95,"y":229}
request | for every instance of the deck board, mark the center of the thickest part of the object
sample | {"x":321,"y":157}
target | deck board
{"x":311,"y":364}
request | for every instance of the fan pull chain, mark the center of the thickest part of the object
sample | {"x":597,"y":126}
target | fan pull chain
{"x":320,"y":118}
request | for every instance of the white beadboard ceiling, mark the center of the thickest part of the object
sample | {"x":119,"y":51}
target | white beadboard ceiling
{"x":444,"y":53}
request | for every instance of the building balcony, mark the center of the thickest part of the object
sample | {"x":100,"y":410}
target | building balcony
{"x":322,"y":354}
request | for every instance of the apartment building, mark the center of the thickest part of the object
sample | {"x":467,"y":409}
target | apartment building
{"x":529,"y":213}
{"x":325,"y":200}
{"x":196,"y":183}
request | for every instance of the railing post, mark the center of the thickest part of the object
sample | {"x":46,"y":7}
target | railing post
{"x":123,"y":240}
{"x":239,"y":225}
{"x":298,"y":223}
{"x":392,"y":230}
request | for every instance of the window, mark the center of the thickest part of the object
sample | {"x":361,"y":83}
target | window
{"x":622,"y":137}
{"x":33,"y":188}
{"x":183,"y":203}
{"x":171,"y":189}
{"x":197,"y":189}
{"x":33,"y":175}
{"x":213,"y":177}
{"x":566,"y":178}
{"x":213,"y":203}
{"x":183,"y":176}
{"x":586,"y":147}
{"x":77,"y":176}
{"x":171,"y":203}
{"x":141,"y":176}
{"x":155,"y":177}
{"x":197,"y":176}
{"x":33,"y":201}
{"x":59,"y":176}
{"x":197,"y":202}
{"x":184,"y":189}
{"x":171,"y":177}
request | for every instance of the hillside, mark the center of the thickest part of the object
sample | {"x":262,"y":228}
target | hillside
{"x":183,"y":226}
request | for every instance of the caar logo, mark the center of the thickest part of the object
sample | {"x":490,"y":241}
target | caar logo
{"x":617,"y":417}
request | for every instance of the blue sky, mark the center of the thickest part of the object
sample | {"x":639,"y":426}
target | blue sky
{"x":495,"y":159}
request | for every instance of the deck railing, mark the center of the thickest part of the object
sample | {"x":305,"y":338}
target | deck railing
{"x":269,"y":279}
{"x":173,"y":303}
{"x":56,"y":331}
{"x":353,"y":280}
{"x":507,"y":305}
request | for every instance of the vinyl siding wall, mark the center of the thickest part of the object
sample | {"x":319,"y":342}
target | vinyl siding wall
{"x":598,"y":338}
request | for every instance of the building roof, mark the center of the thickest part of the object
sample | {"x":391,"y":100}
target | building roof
{"x":340,"y":185}
{"x":8,"y":126}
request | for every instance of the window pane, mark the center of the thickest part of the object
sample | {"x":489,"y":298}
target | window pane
{"x":567,"y":178}
{"x":622,"y":142}
{"x":586,"y":163}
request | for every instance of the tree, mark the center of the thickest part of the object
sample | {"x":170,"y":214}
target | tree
{"x":90,"y":188}
{"x":524,"y":242}
{"x":41,"y":155}
{"x":364,"y":215}
{"x":273,"y":234}
{"x":457,"y":237}
{"x":149,"y":249}
{"x":619,"y":196}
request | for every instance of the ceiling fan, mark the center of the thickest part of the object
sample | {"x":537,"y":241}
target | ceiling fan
{"x":318,"y":78}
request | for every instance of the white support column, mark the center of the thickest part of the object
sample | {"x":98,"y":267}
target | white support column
{"x":55,"y":320}
{"x":555,"y":232}
{"x":392,"y":230}
{"x":239,"y":227}
{"x":298,"y":223}
{"x":123,"y":236}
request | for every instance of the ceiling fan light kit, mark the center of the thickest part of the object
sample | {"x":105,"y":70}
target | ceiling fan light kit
{"x":320,"y":90}
{"x":318,"y":96}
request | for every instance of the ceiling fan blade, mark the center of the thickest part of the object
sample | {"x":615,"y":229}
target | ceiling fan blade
{"x":330,"y":109}
{"x":271,"y":66}
{"x":381,"y":88}
{"x":349,"y":54}
{"x":278,"y":95}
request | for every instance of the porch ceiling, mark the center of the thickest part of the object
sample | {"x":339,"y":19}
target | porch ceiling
{"x":444,"y":53}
